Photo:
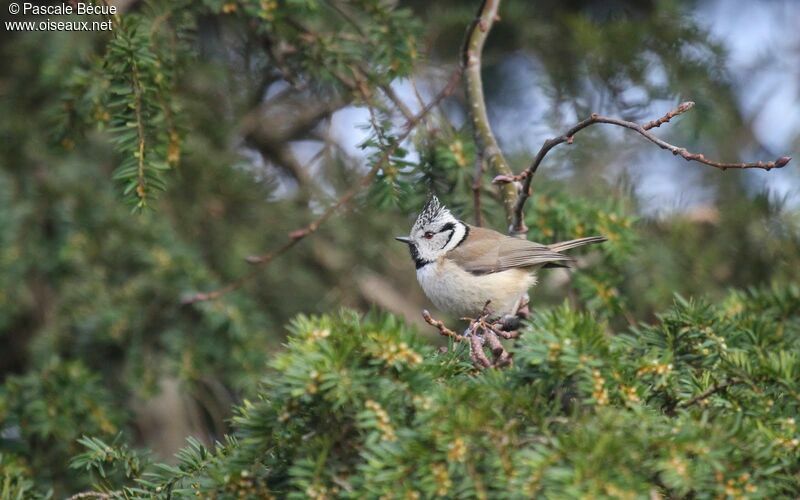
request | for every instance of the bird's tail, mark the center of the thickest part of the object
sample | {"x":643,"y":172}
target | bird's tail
{"x":566,"y":245}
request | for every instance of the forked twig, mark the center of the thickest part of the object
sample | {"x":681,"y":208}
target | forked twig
{"x":501,"y":356}
{"x":480,"y":330}
{"x":526,"y":176}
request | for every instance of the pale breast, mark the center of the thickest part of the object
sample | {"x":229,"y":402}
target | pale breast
{"x":458,"y":292}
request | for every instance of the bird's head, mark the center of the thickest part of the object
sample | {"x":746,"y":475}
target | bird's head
{"x":435,"y":232}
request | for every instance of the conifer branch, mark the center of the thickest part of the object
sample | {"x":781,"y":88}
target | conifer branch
{"x":488,"y":149}
{"x":144,"y":107}
{"x":137,"y":93}
{"x":717,"y":387}
{"x":526,"y":176}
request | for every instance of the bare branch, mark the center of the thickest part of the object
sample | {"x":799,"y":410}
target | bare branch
{"x":446,"y":332}
{"x":487,"y":145}
{"x":290,"y":116}
{"x":477,"y":184}
{"x":89,"y":494}
{"x":501,"y":356}
{"x":682,"y":108}
{"x":480,"y":330}
{"x":518,"y":224}
{"x":398,"y":103}
{"x":500,"y":328}
{"x":297,"y":235}
{"x":448,"y":89}
{"x":284,"y":158}
{"x":479,"y":358}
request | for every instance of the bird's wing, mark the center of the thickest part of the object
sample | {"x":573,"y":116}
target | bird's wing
{"x":486,"y":251}
{"x":566,"y":245}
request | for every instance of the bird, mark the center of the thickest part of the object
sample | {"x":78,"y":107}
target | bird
{"x":461,"y":267}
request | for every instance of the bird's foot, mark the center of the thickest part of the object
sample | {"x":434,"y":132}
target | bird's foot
{"x":509,"y":322}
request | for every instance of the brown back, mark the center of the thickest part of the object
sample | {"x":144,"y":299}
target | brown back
{"x":487,"y":251}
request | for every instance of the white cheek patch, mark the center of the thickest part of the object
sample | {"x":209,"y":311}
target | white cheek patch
{"x":458,"y":234}
{"x":426,"y":250}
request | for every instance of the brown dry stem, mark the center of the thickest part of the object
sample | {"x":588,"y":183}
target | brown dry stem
{"x":481,"y":332}
{"x":526,"y":176}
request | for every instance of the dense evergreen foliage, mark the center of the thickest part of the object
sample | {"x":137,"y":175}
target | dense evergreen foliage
{"x":701,"y":403}
{"x":670,"y":370}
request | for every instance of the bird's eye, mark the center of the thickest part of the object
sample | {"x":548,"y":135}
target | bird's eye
{"x":428,"y":235}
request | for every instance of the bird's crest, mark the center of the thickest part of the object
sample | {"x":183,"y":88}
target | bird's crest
{"x":432,"y":211}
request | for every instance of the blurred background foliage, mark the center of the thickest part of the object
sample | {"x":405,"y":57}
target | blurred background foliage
{"x":226,"y":125}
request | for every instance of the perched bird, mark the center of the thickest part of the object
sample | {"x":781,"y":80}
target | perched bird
{"x":461,"y":267}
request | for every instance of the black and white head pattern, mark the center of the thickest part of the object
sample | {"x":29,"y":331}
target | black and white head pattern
{"x":433,"y":211}
{"x":435,"y":232}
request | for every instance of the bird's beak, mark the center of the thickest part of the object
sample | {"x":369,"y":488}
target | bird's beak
{"x":404,"y":239}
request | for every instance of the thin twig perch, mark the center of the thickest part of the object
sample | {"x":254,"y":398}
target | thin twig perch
{"x":480,"y":330}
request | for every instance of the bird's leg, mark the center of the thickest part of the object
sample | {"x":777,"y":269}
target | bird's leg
{"x":523,"y":307}
{"x":510,"y":323}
